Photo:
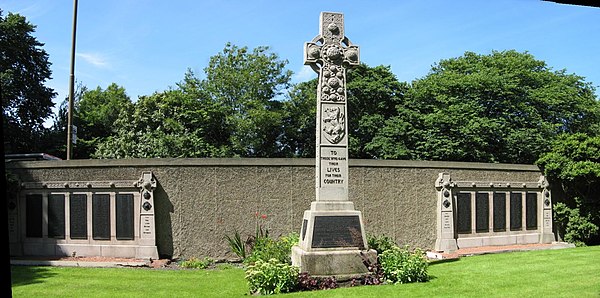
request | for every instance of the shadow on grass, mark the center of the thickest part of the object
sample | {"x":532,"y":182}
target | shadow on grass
{"x":436,"y":262}
{"x":26,"y":275}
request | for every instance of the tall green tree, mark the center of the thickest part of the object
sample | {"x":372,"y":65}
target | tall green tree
{"x":24,"y":69}
{"x":95,"y":116}
{"x":55,"y":138}
{"x":373,"y":94}
{"x":299,"y":113}
{"x":502,"y":107}
{"x":180,"y":122}
{"x":248,"y":84}
{"x":573,"y":167}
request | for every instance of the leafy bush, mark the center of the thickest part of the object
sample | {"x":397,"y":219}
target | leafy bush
{"x":271,"y":277}
{"x":573,"y":168}
{"x":577,"y":229}
{"x":380,"y":243}
{"x":267,"y":248}
{"x":401,"y":266}
{"x":195,"y":263}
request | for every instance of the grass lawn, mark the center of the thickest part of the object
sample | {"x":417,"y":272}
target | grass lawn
{"x":573,"y":272}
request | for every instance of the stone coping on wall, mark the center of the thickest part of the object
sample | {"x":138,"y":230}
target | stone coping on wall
{"x":261,"y":162}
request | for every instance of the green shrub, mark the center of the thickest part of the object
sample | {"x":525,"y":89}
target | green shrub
{"x":572,"y":167}
{"x":195,"y":263}
{"x":401,"y":266}
{"x":573,"y":227}
{"x":271,"y":277}
{"x":380,"y":243}
{"x":266,"y":248}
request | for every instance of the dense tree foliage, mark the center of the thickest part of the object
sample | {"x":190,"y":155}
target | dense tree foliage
{"x":95,"y":116}
{"x":502,"y":107}
{"x":573,"y":166}
{"x":172,"y":123}
{"x":373,"y":94}
{"x":233,"y":112}
{"x":299,"y":120}
{"x":24,"y":68}
{"x":247,"y":83}
{"x":55,"y":138}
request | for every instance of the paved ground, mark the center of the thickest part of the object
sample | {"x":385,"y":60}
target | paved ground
{"x":463,"y":252}
{"x":82,"y":262}
{"x":163,"y":263}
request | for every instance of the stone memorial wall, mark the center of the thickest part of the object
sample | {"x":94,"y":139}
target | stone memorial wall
{"x":198,"y":201}
{"x":492,"y":212}
{"x":76,"y":217}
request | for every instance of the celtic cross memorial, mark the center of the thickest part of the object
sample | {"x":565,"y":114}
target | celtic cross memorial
{"x":330,"y":54}
{"x":332,"y":238}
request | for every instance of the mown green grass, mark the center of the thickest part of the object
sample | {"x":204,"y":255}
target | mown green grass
{"x":571,"y":272}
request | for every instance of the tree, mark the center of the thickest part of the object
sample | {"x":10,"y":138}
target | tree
{"x":181,"y":122}
{"x":573,"y":166}
{"x":299,"y":114}
{"x":95,"y":116}
{"x":24,"y":68}
{"x":247,"y":84}
{"x":234,"y":111}
{"x":54,"y":139}
{"x":502,"y":107}
{"x":373,"y":94}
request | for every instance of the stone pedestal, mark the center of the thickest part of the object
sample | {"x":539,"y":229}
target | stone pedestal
{"x":340,"y":263}
{"x":332,"y":241}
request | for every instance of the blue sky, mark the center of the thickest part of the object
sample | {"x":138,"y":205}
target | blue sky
{"x":146,"y":46}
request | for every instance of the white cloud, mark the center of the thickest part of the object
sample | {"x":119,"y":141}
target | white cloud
{"x":305,"y":74}
{"x":95,"y":59}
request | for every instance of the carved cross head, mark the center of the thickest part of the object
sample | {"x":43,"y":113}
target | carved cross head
{"x":331,"y":46}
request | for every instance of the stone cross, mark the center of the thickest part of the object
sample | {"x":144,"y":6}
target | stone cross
{"x":332,"y":238}
{"x":329,"y":54}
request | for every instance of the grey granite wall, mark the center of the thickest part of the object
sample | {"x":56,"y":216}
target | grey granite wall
{"x":198,"y":201}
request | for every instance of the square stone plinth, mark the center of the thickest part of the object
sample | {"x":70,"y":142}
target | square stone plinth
{"x":333,"y":262}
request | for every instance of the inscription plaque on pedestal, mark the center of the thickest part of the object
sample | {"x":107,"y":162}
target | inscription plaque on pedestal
{"x":516,"y":210}
{"x":33,"y":215}
{"x":56,"y":216}
{"x":482,"y":212}
{"x":463,"y":212}
{"x":124,"y":214}
{"x":499,"y":212}
{"x":78,"y":216}
{"x":531,"y":210}
{"x":337,"y":231}
{"x":101,"y":216}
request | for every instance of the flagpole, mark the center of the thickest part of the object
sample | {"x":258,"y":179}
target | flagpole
{"x":71,"y":85}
